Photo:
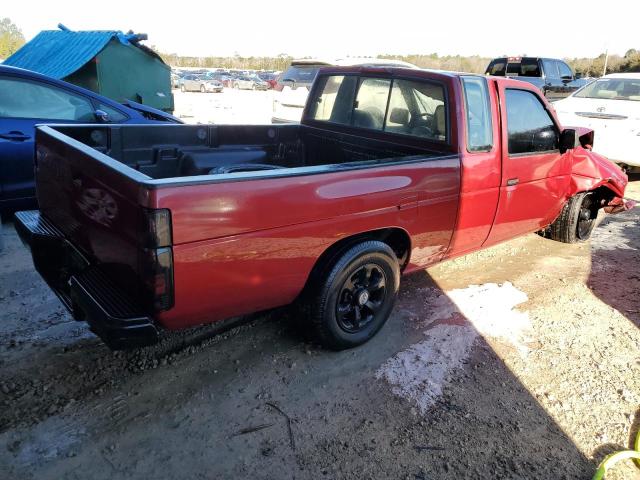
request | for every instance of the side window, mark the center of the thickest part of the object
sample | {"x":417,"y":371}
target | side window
{"x":564,"y":70}
{"x":371,"y":103}
{"x":418,"y":109}
{"x":529,"y":126}
{"x":529,"y":67}
{"x":497,"y":67}
{"x":335,"y":100}
{"x":25,"y":99}
{"x":479,"y":126}
{"x":550,"y":69}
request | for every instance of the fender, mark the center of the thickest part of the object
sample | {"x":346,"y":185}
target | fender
{"x":591,"y":170}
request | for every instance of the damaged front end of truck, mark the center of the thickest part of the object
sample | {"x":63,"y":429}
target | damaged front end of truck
{"x":592,"y":172}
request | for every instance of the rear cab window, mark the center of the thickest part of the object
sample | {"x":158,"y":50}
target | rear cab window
{"x":398,"y":106}
{"x":529,"y":67}
{"x":497,"y":67}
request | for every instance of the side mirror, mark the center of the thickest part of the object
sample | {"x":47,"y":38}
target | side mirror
{"x":568,"y":139}
{"x":101,"y":116}
{"x":578,"y":76}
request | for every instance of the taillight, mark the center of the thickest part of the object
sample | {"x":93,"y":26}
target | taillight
{"x":157,"y":258}
{"x":157,"y":228}
{"x":157,"y":272}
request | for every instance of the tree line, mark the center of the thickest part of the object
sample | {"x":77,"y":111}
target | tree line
{"x":11,"y":39}
{"x":591,"y":67}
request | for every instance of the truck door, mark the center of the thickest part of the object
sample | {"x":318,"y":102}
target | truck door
{"x":535,"y":175}
{"x":566,"y":77}
{"x":553,"y":86}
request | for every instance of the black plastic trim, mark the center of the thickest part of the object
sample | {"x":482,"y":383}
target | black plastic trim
{"x":88,"y":294}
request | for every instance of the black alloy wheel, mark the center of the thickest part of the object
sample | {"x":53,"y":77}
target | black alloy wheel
{"x":361,"y":297}
{"x":586,"y":219}
{"x":352,"y":296}
{"x":577,"y":219}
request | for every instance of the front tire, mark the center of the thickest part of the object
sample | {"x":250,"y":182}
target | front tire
{"x":576,"y":221}
{"x":182,"y":89}
{"x":202,"y":89}
{"x":353,"y":299}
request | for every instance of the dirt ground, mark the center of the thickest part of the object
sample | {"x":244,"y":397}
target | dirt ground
{"x":518,"y":362}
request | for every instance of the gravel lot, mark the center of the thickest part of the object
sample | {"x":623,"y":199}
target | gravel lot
{"x":520,"y":361}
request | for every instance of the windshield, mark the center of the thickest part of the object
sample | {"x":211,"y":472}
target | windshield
{"x":612,"y":89}
{"x":300,"y":74}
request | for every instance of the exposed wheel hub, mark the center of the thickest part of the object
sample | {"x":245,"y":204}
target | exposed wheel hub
{"x":586,"y":220}
{"x":363,"y":297}
{"x":585,"y":214}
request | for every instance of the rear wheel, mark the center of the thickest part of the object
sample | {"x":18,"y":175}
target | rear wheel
{"x":202,"y":89}
{"x":577,"y":219}
{"x":353,"y":299}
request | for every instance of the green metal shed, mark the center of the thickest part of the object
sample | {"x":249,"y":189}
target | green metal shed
{"x":110,"y":63}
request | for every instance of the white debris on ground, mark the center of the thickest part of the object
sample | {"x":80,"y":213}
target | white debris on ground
{"x":420,"y":372}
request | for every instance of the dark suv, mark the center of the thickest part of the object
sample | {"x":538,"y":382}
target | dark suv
{"x":553,"y":77}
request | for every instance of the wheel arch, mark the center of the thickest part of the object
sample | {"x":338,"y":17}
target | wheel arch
{"x":602,"y":195}
{"x":397,"y":238}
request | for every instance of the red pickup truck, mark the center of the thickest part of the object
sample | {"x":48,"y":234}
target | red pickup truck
{"x":391,"y":170}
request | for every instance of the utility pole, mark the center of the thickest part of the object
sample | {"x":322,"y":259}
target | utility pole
{"x":606,"y":60}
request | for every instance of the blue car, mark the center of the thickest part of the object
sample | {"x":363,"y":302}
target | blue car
{"x":27,"y":99}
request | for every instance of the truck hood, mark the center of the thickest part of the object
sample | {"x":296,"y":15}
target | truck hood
{"x":591,"y":170}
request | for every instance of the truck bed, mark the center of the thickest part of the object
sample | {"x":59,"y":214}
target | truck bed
{"x":178,"y":151}
{"x":242,"y":200}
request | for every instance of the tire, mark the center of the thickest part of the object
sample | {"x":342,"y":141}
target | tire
{"x":341,"y":314}
{"x":577,"y":220}
{"x":182,"y":89}
{"x":236,"y":86}
{"x":202,"y":89}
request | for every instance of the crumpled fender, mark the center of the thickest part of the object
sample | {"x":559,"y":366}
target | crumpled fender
{"x":591,"y":170}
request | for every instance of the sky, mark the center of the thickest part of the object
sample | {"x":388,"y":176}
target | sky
{"x":330,"y":28}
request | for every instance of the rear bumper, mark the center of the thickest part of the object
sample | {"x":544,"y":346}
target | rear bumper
{"x":83,"y":288}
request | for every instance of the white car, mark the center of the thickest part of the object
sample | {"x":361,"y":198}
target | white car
{"x":294,"y":84}
{"x":611,"y":107}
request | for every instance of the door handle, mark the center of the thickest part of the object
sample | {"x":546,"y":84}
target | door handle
{"x":15,"y":136}
{"x":512,"y":181}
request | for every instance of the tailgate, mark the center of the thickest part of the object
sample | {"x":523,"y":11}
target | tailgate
{"x":92,"y":201}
